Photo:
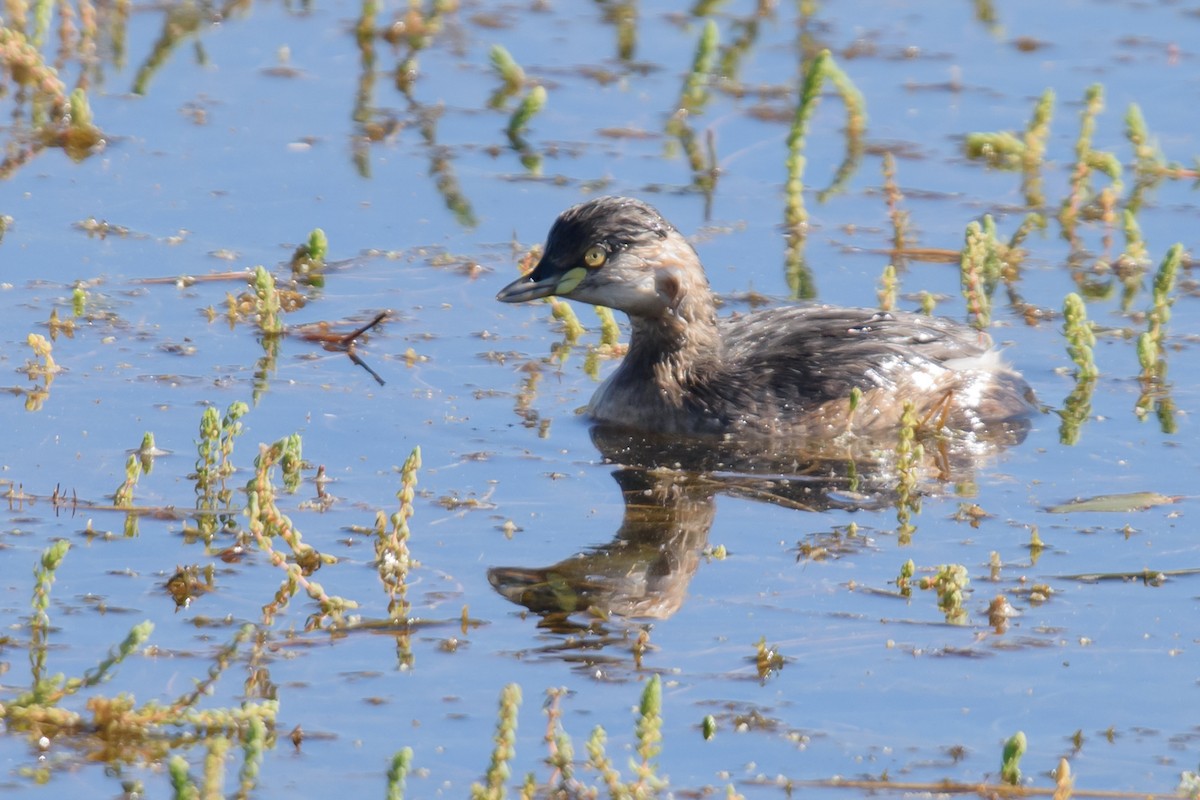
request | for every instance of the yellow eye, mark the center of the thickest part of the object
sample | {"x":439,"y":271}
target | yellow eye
{"x":595,"y":256}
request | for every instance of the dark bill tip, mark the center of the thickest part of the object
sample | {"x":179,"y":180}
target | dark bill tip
{"x":525,"y":288}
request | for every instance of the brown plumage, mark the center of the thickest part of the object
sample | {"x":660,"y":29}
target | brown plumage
{"x":785,"y":371}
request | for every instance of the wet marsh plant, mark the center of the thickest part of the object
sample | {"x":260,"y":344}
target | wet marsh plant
{"x":820,"y":69}
{"x":888,"y":285}
{"x":59,"y":119}
{"x":909,"y":454}
{"x":1010,"y":759}
{"x":214,"y":464}
{"x":898,"y":217}
{"x":1026,"y":152}
{"x":1080,"y":337}
{"x":980,"y":268}
{"x":534,"y":102}
{"x":1150,"y":166}
{"x":116,"y":728}
{"x":610,"y":331}
{"x":268,"y":523}
{"x":692,"y":98}
{"x":695,"y":92}
{"x":565,"y":780}
{"x":41,"y":369}
{"x":498,"y":772}
{"x":123,"y":497}
{"x":511,"y":75}
{"x":308,"y":260}
{"x":1087,"y":162}
{"x":529,"y":107}
{"x":267,"y":304}
{"x":397,"y":775}
{"x":949,"y":581}
{"x":392,"y":557}
{"x":1151,"y":343}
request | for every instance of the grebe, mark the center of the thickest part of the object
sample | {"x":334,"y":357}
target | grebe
{"x":786,"y":371}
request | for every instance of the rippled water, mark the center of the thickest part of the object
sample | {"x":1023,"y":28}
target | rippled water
{"x":261,"y":122}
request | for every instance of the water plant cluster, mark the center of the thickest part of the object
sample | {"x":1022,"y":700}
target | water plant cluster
{"x":243,"y":508}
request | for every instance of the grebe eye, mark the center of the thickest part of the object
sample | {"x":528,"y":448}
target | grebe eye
{"x":595,"y":256}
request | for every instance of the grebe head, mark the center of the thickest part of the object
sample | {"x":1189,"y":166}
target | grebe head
{"x":616,"y":252}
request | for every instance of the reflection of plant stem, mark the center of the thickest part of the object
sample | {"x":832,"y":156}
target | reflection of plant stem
{"x":1087,"y":161}
{"x":1005,"y":150}
{"x":821,"y":68}
{"x":898,"y":217}
{"x":1152,"y":343}
{"x":695,"y":87}
{"x":180,"y":22}
{"x":1076,"y":409}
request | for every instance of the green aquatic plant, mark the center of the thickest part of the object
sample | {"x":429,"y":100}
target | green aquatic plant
{"x":695,"y":87}
{"x":571,"y":326}
{"x":565,"y":779}
{"x":898,"y":217}
{"x":397,"y":775}
{"x":610,"y":331}
{"x":904,"y":578}
{"x":44,"y":367}
{"x":1152,"y":342}
{"x":888,"y":284}
{"x":41,"y":369}
{"x":980,"y":267}
{"x":495,"y":785}
{"x":1134,"y":254}
{"x":214,"y":461}
{"x":949,"y":582}
{"x":511,"y":75}
{"x":909,"y":454}
{"x":267,"y":304}
{"x":309,"y":258}
{"x":1150,"y":166}
{"x":1010,"y":760}
{"x":648,"y":740}
{"x":147,"y":452}
{"x":534,"y":102}
{"x":820,"y":69}
{"x":393,"y":560}
{"x":1025,"y":151}
{"x":1076,"y":410}
{"x":1080,"y":337}
{"x":123,"y":497}
{"x":1087,"y":162}
{"x":267,"y":523}
{"x":124,"y":730}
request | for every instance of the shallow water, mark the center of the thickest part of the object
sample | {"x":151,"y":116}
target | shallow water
{"x":226,"y":161}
